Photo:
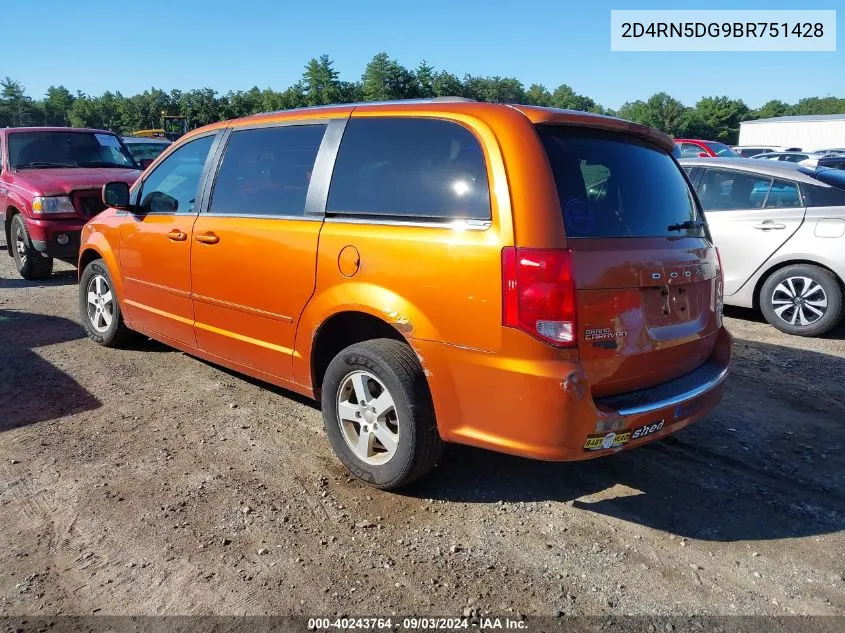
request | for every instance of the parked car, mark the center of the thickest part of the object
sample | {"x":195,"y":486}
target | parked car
{"x":696,"y":148}
{"x":749,"y":151}
{"x":383,"y":259}
{"x":781,"y":235}
{"x":50,"y":184}
{"x":145,"y":150}
{"x":829,"y":161}
{"x":790,"y":157}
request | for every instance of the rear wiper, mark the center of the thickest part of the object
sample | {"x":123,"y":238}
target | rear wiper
{"x":686,"y":226}
{"x":42,"y":165}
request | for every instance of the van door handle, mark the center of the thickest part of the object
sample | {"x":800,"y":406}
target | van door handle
{"x":206,"y":238}
{"x":768,"y":225}
{"x":177,"y":236}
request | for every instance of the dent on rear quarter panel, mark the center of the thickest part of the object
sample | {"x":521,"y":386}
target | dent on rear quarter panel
{"x":351,"y":296}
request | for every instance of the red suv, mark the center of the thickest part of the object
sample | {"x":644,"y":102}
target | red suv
{"x":51,"y":181}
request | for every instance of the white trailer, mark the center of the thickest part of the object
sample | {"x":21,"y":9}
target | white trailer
{"x":810,"y":132}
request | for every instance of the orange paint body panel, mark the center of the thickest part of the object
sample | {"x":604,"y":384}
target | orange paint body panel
{"x":252,"y":293}
{"x":268,"y":266}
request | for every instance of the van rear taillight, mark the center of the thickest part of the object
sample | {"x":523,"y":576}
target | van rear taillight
{"x":538,"y":293}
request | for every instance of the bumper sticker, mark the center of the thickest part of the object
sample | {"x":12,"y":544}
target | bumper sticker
{"x":606,"y":442}
{"x":646,"y":430}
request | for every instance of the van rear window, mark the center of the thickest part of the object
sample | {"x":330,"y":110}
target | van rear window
{"x":613,"y":185}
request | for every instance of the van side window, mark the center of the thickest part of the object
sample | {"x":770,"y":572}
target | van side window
{"x":409,"y":168}
{"x":266,"y":171}
{"x":722,"y":190}
{"x":173,"y":186}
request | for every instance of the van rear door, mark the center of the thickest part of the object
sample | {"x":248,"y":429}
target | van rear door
{"x":646,"y":272}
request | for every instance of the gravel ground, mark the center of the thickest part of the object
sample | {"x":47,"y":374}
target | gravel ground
{"x":144,"y":481}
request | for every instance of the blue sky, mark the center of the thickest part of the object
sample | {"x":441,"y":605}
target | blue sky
{"x":98,"y":45}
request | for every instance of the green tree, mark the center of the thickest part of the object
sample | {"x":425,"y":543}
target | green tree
{"x":385,"y":79}
{"x":565,"y":97}
{"x":200,"y":106}
{"x":538,"y":94}
{"x":425,"y":80}
{"x":85,"y":112}
{"x":16,"y":106}
{"x":770,"y":109}
{"x":716,"y":118}
{"x":320,"y":81}
{"x":242,"y":103}
{"x":447,"y":85}
{"x":820,"y":105}
{"x":56,"y":105}
{"x":660,"y":111}
{"x":494,"y":89}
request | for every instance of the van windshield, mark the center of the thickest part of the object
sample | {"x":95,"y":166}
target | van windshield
{"x":615,"y":185}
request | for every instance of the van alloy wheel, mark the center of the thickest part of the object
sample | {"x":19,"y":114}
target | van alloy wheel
{"x":366,"y":413}
{"x":799,"y":301}
{"x":100,"y":303}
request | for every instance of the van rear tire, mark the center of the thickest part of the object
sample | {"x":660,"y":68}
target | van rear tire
{"x":378,"y":413}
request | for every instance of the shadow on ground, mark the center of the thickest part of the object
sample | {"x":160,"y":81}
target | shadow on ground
{"x":767,"y":464}
{"x":58,"y":278}
{"x":755,"y":316}
{"x":32,"y":389}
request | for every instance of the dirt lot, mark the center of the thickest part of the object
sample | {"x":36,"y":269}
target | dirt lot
{"x":144,"y":481}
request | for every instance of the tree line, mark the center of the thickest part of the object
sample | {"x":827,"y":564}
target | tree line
{"x":715,"y":118}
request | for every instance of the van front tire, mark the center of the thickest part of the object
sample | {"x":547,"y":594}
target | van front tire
{"x":99,"y":308}
{"x":378,"y":413}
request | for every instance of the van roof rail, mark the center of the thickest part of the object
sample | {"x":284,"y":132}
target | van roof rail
{"x":443,"y":99}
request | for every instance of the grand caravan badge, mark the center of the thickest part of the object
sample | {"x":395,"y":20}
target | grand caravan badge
{"x":603,"y":333}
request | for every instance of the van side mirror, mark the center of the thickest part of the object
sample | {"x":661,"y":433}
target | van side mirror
{"x":116,"y":195}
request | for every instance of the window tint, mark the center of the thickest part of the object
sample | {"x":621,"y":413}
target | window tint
{"x":173,"y":186}
{"x":266,"y":171}
{"x":784,"y":194}
{"x":721,"y":190}
{"x":748,"y":152}
{"x":418,"y":168}
{"x":691,"y":150}
{"x":612,"y":185}
{"x":146,"y":151}
{"x":819,"y":196}
{"x":720,"y":149}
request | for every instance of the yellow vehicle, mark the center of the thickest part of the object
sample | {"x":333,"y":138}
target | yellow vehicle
{"x":173,"y":128}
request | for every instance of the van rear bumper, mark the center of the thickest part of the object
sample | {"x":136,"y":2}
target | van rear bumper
{"x":542,"y":408}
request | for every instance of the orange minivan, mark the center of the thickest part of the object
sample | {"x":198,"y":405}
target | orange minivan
{"x":528,"y":280}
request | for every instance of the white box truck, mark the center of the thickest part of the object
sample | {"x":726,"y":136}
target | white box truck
{"x":809,"y":132}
